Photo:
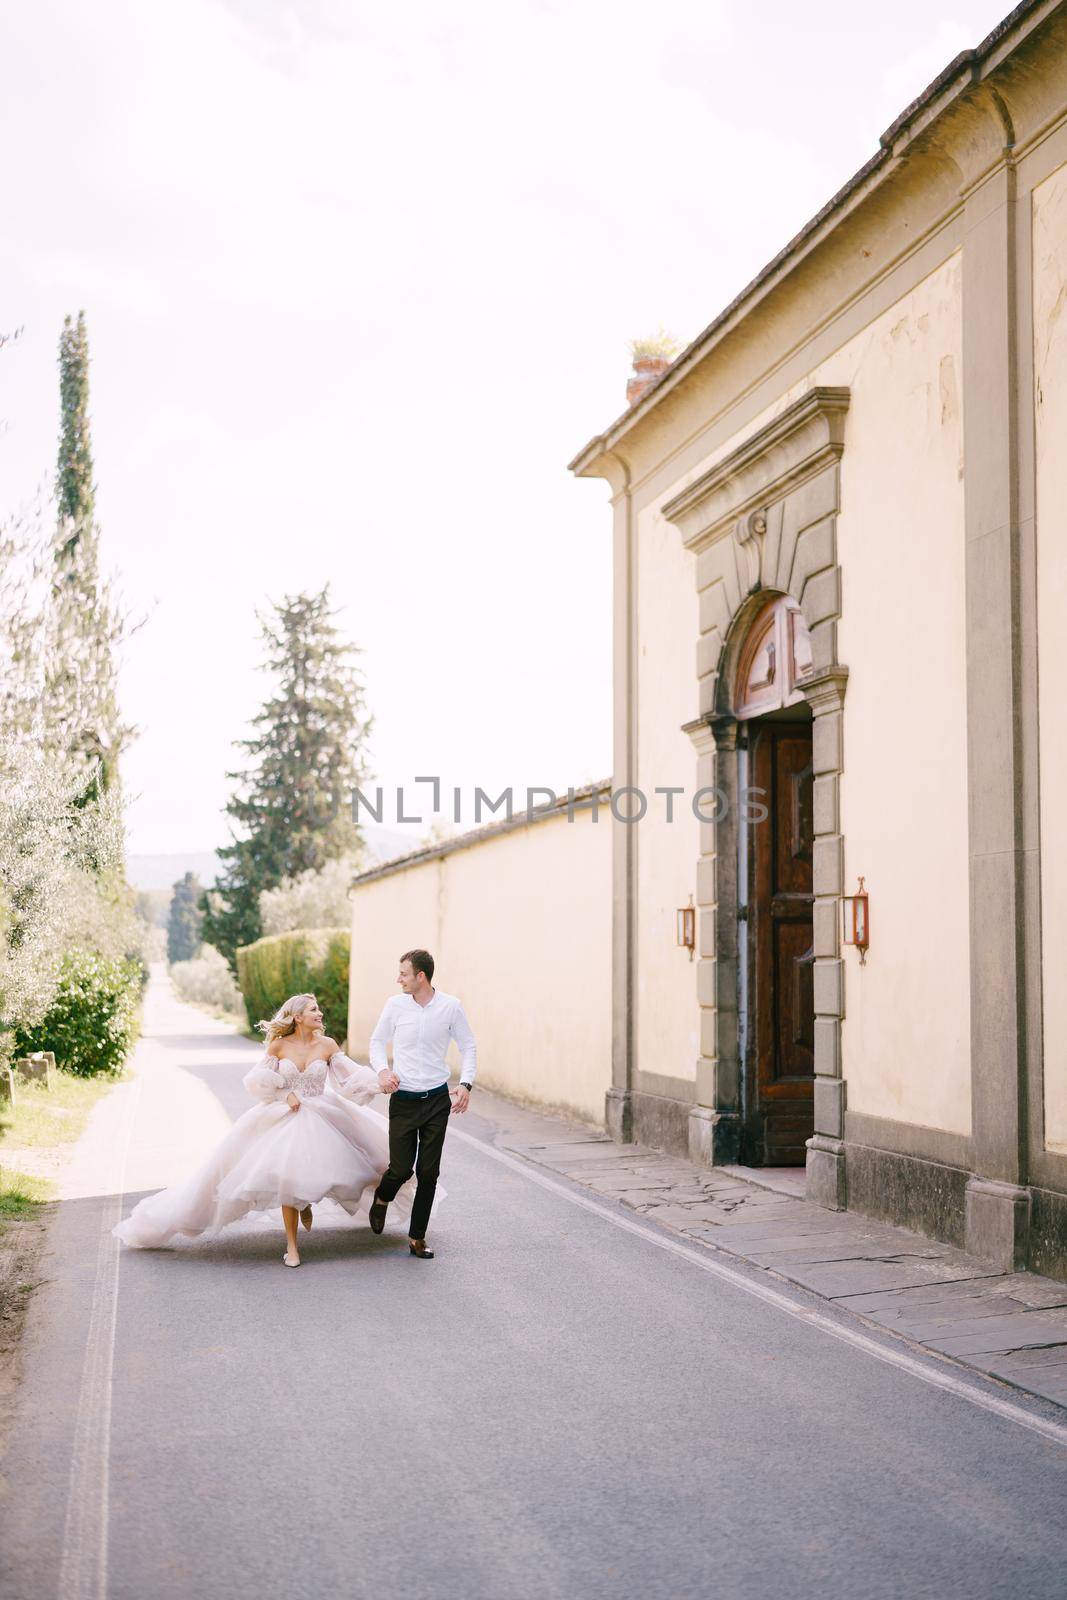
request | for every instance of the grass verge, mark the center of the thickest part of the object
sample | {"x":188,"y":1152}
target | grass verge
{"x":43,"y":1118}
{"x":21,"y":1195}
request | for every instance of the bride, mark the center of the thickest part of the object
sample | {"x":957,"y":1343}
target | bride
{"x":310,"y":1139}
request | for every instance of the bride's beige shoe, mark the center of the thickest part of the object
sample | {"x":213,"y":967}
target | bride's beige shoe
{"x":305,"y":1217}
{"x":290,"y":1262}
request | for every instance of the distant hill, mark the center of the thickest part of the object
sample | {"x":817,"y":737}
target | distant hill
{"x":162,"y":872}
{"x":385,"y":843}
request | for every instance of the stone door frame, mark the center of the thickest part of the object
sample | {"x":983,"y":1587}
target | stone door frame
{"x":763,"y":521}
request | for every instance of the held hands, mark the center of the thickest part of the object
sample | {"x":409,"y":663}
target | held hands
{"x":292,"y":1102}
{"x":388,"y":1081}
{"x":461,"y":1099}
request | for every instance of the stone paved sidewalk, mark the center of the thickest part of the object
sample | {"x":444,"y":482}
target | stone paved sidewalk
{"x":1011,"y":1325}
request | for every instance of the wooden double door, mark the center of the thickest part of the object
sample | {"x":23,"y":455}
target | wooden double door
{"x":779,"y":1038}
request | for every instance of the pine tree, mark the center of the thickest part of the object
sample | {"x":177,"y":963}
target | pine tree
{"x":183,"y":923}
{"x":292,"y":809}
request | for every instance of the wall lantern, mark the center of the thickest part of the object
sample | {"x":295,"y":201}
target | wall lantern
{"x":687,"y":927}
{"x":857,"y":919}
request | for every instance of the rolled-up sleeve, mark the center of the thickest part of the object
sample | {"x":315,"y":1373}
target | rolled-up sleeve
{"x":265,"y":1082}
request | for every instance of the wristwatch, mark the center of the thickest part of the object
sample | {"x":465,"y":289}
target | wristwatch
{"x":467,"y":1086}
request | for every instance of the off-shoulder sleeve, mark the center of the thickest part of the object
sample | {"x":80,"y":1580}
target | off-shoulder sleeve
{"x":353,"y":1081}
{"x":265,"y":1082}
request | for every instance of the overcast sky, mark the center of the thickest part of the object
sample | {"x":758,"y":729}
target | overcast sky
{"x":360,"y":280}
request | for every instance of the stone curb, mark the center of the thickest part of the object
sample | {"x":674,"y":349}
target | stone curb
{"x":1009,"y":1326}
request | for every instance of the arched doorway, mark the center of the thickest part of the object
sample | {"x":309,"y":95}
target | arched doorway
{"x":762,"y":524}
{"x":776,"y":953}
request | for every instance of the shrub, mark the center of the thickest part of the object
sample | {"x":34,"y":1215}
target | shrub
{"x":311,"y":960}
{"x":92,"y":1022}
{"x":207,"y":981}
{"x":137,"y":960}
{"x":318,"y":897}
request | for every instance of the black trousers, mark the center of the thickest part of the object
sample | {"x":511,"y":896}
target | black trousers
{"x":417,"y":1131}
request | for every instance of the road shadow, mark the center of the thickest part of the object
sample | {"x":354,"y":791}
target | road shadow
{"x":257,"y":1239}
{"x":201,"y":1044}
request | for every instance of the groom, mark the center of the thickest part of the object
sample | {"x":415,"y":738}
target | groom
{"x":421,"y":1021}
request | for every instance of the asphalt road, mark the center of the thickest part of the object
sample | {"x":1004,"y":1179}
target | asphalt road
{"x":555,"y":1407}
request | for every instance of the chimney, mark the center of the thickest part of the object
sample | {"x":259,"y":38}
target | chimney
{"x":647,"y":371}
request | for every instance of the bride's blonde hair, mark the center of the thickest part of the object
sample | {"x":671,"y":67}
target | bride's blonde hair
{"x":283,"y":1022}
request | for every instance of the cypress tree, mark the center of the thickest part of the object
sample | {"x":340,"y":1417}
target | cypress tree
{"x":292,"y":808}
{"x":80,"y":687}
{"x":75,"y":491}
{"x":183,"y":923}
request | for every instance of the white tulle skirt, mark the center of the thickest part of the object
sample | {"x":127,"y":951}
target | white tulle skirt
{"x":329,"y":1152}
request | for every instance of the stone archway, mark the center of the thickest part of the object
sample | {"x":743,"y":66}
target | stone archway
{"x":763,"y":521}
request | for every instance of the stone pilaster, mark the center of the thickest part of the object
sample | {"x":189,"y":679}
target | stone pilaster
{"x":714,"y":1121}
{"x":996,"y":1214}
{"x":825,"y":692}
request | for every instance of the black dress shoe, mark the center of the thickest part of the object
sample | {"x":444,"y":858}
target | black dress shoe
{"x":418,"y":1248}
{"x":377,"y":1215}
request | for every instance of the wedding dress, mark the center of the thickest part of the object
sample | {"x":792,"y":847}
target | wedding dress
{"x":332,"y":1149}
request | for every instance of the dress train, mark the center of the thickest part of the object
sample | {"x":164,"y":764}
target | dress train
{"x":333,"y":1149}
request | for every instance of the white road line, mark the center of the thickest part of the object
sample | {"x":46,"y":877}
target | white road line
{"x":929,"y":1372}
{"x":83,"y":1564}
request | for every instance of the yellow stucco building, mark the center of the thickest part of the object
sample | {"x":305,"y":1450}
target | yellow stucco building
{"x":840,"y":563}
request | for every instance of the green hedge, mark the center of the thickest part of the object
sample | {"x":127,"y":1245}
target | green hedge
{"x":309,"y":961}
{"x":93,"y":1021}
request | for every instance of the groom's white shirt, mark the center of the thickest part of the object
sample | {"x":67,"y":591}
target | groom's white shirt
{"x":421,"y":1036}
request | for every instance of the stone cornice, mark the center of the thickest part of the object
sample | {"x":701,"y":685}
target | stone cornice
{"x":702,"y":735}
{"x":806,"y":437}
{"x":825,"y":691}
{"x":712,"y":732}
{"x":950,"y":109}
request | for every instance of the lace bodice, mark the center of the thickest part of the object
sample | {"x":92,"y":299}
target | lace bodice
{"x":305,"y":1085}
{"x":275,"y":1078}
